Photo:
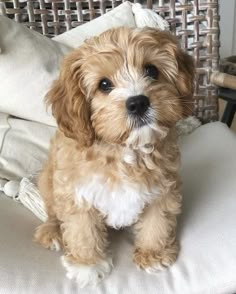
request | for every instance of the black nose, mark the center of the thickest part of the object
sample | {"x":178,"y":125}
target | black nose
{"x":137,"y":105}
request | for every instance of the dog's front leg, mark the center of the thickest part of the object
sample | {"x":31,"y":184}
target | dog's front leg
{"x":85,"y":240}
{"x":155,"y":234}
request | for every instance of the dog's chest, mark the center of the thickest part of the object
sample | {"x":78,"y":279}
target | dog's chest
{"x":120,"y":203}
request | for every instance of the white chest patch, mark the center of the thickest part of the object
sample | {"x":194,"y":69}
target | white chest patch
{"x":120,"y":204}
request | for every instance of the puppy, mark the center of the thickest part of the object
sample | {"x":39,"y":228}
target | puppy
{"x":114,"y":160}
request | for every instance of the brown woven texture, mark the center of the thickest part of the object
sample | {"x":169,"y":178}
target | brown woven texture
{"x":195,"y":22}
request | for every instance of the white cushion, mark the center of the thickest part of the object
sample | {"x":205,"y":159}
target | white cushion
{"x":120,"y":16}
{"x":207,"y":233}
{"x":24,"y":146}
{"x":29,"y":64}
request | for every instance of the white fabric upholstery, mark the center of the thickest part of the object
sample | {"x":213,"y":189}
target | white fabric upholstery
{"x":207,"y":233}
{"x":29,"y":64}
{"x":23,"y":146}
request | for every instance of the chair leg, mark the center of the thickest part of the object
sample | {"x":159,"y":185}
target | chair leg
{"x":228,"y":114}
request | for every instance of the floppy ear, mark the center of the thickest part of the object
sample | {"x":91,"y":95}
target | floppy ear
{"x":185,"y":69}
{"x":185,"y":81}
{"x":68,"y":102}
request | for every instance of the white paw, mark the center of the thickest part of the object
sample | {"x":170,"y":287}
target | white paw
{"x":155,"y":269}
{"x":55,"y":245}
{"x":87,"y":275}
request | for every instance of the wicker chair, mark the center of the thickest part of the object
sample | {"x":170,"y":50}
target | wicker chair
{"x":196,"y":23}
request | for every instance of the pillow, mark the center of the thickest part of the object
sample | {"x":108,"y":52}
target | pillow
{"x":120,"y":16}
{"x":30,"y":62}
{"x":24,"y":146}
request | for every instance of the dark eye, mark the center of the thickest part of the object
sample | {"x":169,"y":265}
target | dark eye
{"x":105,"y":85}
{"x":151,"y":71}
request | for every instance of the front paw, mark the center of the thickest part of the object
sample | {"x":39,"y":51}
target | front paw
{"x":49,"y":236}
{"x":154,"y":260}
{"x":87,"y":275}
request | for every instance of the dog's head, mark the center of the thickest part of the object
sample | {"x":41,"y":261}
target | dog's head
{"x":121,"y":83}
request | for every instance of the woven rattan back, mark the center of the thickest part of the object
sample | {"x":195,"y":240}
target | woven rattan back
{"x":195,"y":22}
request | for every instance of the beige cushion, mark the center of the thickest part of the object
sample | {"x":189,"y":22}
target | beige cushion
{"x":24,"y":146}
{"x":120,"y":16}
{"x":29,"y":64}
{"x":207,"y":233}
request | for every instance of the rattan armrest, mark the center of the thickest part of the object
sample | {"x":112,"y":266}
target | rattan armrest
{"x":224,"y":80}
